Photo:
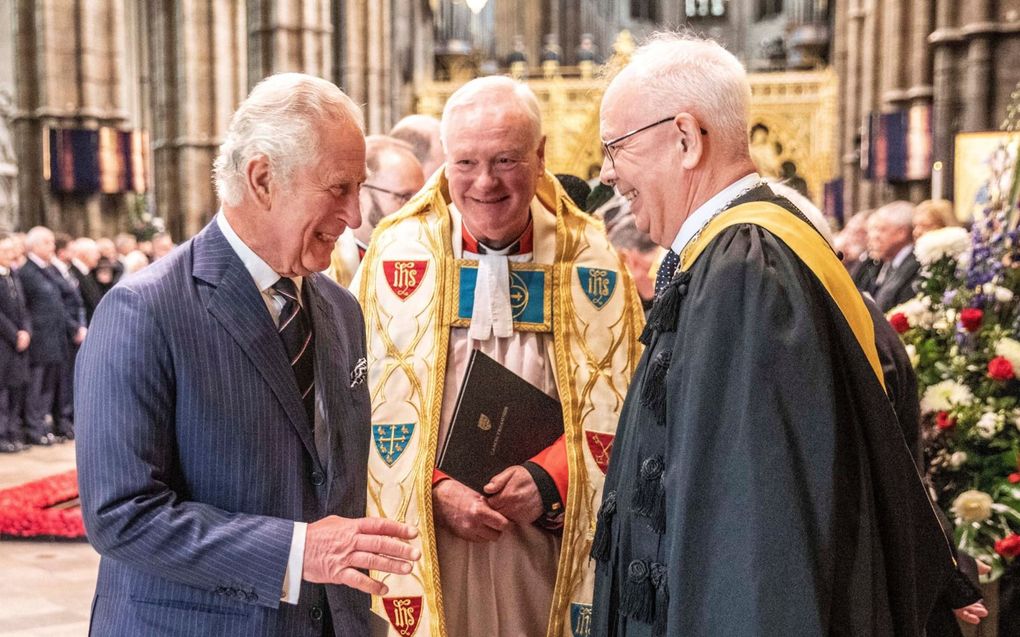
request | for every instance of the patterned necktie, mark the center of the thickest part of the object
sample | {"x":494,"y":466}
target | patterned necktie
{"x":666,"y":269}
{"x":296,"y":332}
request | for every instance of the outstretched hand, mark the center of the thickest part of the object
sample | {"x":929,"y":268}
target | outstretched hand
{"x":336,"y":548}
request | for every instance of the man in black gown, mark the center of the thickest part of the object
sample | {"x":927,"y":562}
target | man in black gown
{"x":759,"y":483}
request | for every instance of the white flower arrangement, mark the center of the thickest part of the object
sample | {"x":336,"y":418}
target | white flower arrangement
{"x":988,"y":425}
{"x":958,"y":459}
{"x":1010,"y":350}
{"x":944,"y":396}
{"x":934,"y":245}
{"x":973,"y":506}
{"x":1001,"y":294}
{"x":917,"y":310}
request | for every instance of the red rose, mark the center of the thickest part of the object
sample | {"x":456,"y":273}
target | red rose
{"x":1014,"y":478}
{"x":999,"y":368}
{"x":971,"y":319}
{"x":944,"y":421}
{"x":1008,"y":546}
{"x":899,"y":322}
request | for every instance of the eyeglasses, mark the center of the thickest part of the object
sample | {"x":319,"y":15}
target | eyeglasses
{"x":607,"y":147}
{"x":402,"y":197}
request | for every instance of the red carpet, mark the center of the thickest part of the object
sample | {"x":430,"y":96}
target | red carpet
{"x":44,"y":509}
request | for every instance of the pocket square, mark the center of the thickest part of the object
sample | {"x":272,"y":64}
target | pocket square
{"x":358,"y":373}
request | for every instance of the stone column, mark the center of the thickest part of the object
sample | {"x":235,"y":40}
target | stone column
{"x":944,"y":106}
{"x":289,"y":35}
{"x":978,"y":82}
{"x":195,"y":63}
{"x":847,"y":45}
{"x":868,"y":89}
{"x":69,"y":59}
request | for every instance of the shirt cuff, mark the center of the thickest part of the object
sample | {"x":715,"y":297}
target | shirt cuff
{"x":295,"y":565}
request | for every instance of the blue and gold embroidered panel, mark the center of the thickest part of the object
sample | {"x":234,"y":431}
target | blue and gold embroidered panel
{"x":530,"y":295}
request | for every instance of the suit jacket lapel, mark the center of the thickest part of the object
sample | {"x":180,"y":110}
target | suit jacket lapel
{"x":237,"y":304}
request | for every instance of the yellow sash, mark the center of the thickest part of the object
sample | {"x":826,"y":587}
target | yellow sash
{"x":407,"y":286}
{"x":813,"y":251}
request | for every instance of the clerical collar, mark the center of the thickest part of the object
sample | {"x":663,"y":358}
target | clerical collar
{"x":706,"y":211}
{"x":523,"y":245}
{"x":4,"y":271}
{"x":263,"y":275}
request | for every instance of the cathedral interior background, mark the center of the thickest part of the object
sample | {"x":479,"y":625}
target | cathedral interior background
{"x":112,"y":111}
{"x":141,"y":91}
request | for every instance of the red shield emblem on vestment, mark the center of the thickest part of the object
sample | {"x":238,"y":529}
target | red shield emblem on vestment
{"x":404,"y":614}
{"x":601,"y":447}
{"x":404,"y":276}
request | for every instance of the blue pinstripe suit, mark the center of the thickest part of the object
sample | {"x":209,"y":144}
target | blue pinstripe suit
{"x":195,"y":454}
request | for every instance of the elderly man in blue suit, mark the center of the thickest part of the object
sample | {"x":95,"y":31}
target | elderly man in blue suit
{"x":223,"y":417}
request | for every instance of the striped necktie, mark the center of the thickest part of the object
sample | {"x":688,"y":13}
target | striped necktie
{"x":666,"y":270}
{"x":298,"y":340}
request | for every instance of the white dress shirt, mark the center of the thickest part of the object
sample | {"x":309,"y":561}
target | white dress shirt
{"x":265,"y":277}
{"x":706,"y":211}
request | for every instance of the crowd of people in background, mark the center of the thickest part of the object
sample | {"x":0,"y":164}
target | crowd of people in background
{"x":877,"y":247}
{"x":50,"y":285}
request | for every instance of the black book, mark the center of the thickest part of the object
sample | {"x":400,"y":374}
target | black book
{"x":501,"y":420}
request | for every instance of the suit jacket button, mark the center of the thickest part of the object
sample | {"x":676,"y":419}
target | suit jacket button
{"x":316,"y":613}
{"x":318,"y":479}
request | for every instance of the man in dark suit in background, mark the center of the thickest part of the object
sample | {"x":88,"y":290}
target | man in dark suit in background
{"x":15,"y":336}
{"x":890,"y":243}
{"x":70,"y":291}
{"x":55,"y":328}
{"x":223,"y":405}
{"x":84,"y":261}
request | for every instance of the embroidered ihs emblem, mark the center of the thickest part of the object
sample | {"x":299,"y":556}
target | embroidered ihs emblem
{"x":404,"y":276}
{"x":580,"y":619}
{"x":404,"y":614}
{"x":391,"y":440}
{"x":597,"y":284}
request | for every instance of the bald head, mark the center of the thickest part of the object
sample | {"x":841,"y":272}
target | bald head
{"x":678,"y":72}
{"x":496,"y":95}
{"x":41,"y":242}
{"x":394,"y":175}
{"x":421,"y":133}
{"x":686,"y":100}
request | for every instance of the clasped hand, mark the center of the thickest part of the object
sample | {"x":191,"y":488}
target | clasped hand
{"x":337,"y":550}
{"x":511,"y":497}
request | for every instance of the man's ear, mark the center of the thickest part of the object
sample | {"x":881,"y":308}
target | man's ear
{"x":259,"y":180}
{"x":541,"y":154}
{"x":691,"y":141}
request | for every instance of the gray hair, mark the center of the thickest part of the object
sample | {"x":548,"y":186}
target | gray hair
{"x":897,"y":213}
{"x":37,"y":233}
{"x":681,"y":72}
{"x":494,"y":89}
{"x":279,"y":120}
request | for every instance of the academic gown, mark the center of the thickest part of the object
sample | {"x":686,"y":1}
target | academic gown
{"x":759,"y":484}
